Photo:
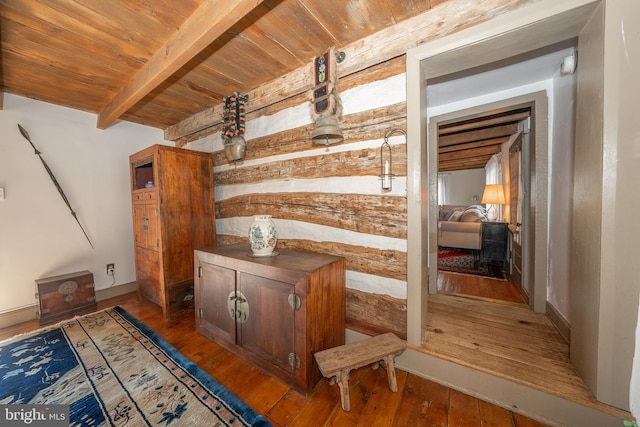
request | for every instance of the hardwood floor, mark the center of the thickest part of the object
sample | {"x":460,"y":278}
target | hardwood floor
{"x":485,"y":287}
{"x":418,"y":402}
{"x":484,"y":324}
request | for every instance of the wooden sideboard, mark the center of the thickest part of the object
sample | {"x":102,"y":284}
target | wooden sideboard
{"x":274,"y":312}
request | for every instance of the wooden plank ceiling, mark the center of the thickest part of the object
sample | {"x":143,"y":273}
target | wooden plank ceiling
{"x":470,"y":143}
{"x":160,"y":62}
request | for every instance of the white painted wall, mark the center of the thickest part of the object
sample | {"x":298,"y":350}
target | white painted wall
{"x":38,"y":235}
{"x":463,"y":186}
{"x":561,"y":146}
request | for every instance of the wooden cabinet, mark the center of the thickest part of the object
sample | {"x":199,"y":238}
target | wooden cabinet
{"x":173,"y":213}
{"x":275,"y":312}
{"x":494,"y":243}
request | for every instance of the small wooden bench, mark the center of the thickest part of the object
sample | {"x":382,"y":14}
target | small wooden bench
{"x":339,"y":361}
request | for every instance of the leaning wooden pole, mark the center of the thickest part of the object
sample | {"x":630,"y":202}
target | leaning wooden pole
{"x":55,"y":181}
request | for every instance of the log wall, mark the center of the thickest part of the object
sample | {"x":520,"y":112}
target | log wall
{"x":327,"y":199}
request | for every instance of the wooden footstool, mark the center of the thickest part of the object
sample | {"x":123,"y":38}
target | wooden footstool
{"x":339,"y":361}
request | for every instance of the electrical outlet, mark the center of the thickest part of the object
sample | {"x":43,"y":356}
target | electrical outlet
{"x":111,"y":269}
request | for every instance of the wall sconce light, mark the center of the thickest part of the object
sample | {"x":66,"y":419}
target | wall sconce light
{"x":386,"y":161}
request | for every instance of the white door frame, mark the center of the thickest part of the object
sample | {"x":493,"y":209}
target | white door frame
{"x":531,"y":27}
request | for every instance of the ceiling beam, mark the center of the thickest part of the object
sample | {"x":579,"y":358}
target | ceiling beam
{"x":207,"y":23}
{"x":463,"y":164}
{"x":474,"y":144}
{"x":477,"y":134}
{"x":471,"y":153}
{"x":472,"y":124}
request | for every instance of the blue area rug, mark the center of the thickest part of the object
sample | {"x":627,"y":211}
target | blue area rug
{"x":113,"y":370}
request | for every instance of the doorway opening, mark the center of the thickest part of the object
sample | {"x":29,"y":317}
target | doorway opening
{"x":517,"y":34}
{"x":476,"y":253}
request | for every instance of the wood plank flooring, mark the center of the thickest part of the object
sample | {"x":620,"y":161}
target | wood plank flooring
{"x":418,"y":402}
{"x":485,"y":287}
{"x":500,"y":335}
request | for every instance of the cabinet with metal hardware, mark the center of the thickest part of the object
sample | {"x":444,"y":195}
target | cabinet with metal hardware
{"x":173,"y":213}
{"x":274,"y":312}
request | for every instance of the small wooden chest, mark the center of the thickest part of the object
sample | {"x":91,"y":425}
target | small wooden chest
{"x":65,"y":296}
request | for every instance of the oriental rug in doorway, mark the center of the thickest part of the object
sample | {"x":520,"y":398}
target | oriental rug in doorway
{"x":463,"y":261}
{"x":112,"y":370}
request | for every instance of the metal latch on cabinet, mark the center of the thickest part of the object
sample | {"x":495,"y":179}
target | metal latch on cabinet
{"x":294,"y":361}
{"x":238,"y":307}
{"x":294,"y":301}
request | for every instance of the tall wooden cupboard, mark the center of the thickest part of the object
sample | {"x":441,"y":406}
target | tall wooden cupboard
{"x":173,"y":213}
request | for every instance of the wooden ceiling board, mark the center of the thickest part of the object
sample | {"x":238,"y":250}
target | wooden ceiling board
{"x":340,"y":20}
{"x":380,"y":14}
{"x":246,"y":62}
{"x":410,"y":8}
{"x":163,"y":106}
{"x":470,"y":142}
{"x":294,"y":28}
{"x":71,"y":70}
{"x":36,"y":51}
{"x":114,"y":30}
{"x":150,"y":62}
{"x":260,"y":34}
{"x":64,"y":93}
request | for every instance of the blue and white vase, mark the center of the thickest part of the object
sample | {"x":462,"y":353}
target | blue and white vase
{"x":262,"y":235}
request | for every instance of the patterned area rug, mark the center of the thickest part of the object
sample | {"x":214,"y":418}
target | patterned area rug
{"x":113,"y":370}
{"x":462,"y":261}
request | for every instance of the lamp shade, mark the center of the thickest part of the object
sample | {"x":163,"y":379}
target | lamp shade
{"x":493,"y":195}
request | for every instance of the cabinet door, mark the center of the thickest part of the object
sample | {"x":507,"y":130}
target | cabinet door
{"x":146,"y":226}
{"x":213,"y":288}
{"x":148,"y":275}
{"x":268,"y":330}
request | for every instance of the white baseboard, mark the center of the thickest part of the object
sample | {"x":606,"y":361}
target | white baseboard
{"x":559,"y":321}
{"x":28,"y":313}
{"x":20,"y":315}
{"x":115,"y":291}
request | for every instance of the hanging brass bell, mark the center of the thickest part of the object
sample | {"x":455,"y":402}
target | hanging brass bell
{"x":235,"y":147}
{"x":327,"y":130}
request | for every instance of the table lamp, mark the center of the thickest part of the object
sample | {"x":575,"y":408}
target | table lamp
{"x":493,"y":195}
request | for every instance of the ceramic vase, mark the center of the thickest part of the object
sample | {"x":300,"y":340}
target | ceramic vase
{"x":262,"y":235}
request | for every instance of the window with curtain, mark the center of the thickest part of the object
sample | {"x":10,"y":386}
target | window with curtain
{"x":493,"y":175}
{"x":493,"y":170}
{"x":442,"y":188}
